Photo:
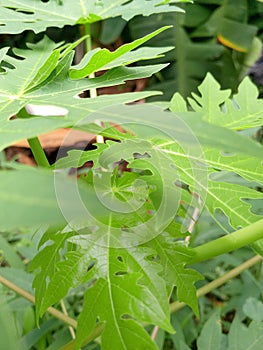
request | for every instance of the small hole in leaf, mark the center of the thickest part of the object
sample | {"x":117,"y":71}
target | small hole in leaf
{"x":154,"y":258}
{"x":91,"y":264}
{"x":127,"y":317}
{"x":25,"y":12}
{"x":120,"y":258}
{"x":121,"y":273}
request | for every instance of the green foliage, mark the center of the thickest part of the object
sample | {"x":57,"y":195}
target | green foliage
{"x":240,"y":112}
{"x":26,"y":84}
{"x":242,"y":337}
{"x":210,"y":337}
{"x":103,"y":59}
{"x":19,"y":16}
{"x":211,"y":36}
{"x":117,"y":235}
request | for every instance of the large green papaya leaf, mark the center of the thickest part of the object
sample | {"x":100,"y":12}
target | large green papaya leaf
{"x":18,"y":15}
{"x":42,"y":78}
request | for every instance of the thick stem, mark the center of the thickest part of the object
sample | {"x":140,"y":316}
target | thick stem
{"x":226,"y":244}
{"x":38,"y":152}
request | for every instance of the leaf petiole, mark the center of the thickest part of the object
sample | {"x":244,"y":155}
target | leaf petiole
{"x":226,"y":244}
{"x":38,"y":152}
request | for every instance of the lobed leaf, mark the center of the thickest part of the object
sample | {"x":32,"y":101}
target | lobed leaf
{"x":174,"y":257}
{"x":18,"y":15}
{"x":41,"y":78}
{"x":242,"y":111}
{"x":127,"y":298}
{"x":99,"y":58}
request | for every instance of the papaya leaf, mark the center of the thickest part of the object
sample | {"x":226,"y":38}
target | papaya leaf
{"x":45,"y":262}
{"x":17,"y":15}
{"x":77,"y":158}
{"x":120,"y":276}
{"x":196,"y":161}
{"x":127,"y":298}
{"x":242,"y":111}
{"x":174,"y":257}
{"x":97,"y":60}
{"x":147,"y":121}
{"x":41,"y":78}
{"x":228,"y":197}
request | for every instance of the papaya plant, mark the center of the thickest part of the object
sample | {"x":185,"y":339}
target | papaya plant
{"x":122,"y":235}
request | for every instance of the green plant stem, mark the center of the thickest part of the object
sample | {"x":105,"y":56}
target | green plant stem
{"x":35,"y":145}
{"x":38,"y":152}
{"x":226,"y":244}
{"x":88,"y":42}
{"x":93,"y":91}
{"x":177,"y":305}
{"x":64,"y":310}
{"x":59,"y":315}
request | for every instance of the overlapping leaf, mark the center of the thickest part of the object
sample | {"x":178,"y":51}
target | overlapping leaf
{"x":196,"y":156}
{"x":187,"y":129}
{"x":18,"y":15}
{"x":218,"y":195}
